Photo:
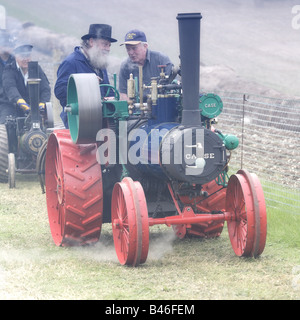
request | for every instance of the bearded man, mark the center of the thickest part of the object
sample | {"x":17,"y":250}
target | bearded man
{"x":90,"y":57}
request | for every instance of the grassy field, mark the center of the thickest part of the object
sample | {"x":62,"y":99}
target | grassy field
{"x":32,"y":267}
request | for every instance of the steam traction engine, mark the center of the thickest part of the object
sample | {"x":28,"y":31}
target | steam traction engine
{"x":23,"y":139}
{"x":138,"y":164}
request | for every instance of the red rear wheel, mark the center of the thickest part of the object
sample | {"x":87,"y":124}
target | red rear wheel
{"x":130,"y":222}
{"x":74,"y":190}
{"x":248,"y":225}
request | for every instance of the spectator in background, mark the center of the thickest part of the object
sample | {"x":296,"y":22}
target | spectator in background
{"x":15,"y":77}
{"x":90,"y":57}
{"x":140,"y":55}
{"x":6,"y":57}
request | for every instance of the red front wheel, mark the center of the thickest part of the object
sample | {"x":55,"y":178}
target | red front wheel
{"x":245,"y":203}
{"x":130,"y":222}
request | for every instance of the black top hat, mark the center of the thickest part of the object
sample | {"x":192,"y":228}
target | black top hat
{"x":99,"y":31}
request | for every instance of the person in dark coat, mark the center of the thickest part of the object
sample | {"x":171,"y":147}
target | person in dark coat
{"x":90,"y":57}
{"x":15,"y":77}
{"x":6,"y":57}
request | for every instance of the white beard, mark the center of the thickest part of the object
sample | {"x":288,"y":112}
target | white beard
{"x":98,"y":58}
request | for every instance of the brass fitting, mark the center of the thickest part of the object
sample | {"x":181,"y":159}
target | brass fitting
{"x":130,"y":87}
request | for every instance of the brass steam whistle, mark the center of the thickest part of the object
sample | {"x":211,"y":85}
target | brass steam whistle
{"x":130,"y":92}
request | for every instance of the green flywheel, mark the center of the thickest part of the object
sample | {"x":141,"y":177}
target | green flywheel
{"x":84,"y":107}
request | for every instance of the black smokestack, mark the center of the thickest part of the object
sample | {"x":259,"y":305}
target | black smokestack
{"x":34,"y":89}
{"x":189,"y":42}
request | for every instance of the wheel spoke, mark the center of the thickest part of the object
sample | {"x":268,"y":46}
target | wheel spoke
{"x":56,"y":177}
{"x":120,"y":206}
{"x":125,"y":241}
{"x":58,"y":164}
{"x":60,"y":219}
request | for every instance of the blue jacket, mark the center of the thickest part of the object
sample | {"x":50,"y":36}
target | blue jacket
{"x":76,"y":62}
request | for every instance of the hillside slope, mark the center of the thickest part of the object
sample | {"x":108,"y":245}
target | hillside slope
{"x":246,"y":46}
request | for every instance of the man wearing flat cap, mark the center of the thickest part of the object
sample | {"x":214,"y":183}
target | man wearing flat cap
{"x":140,"y":55}
{"x":15,"y":77}
{"x":90,"y":57}
{"x":6,"y":57}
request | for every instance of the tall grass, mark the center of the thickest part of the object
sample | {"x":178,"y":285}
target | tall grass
{"x":283,"y":221}
{"x":283,"y":227}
